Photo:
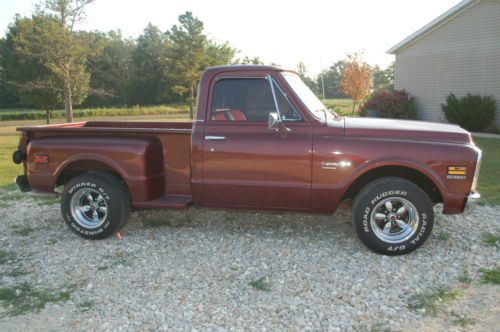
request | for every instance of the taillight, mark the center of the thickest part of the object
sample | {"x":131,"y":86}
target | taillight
{"x":41,"y":158}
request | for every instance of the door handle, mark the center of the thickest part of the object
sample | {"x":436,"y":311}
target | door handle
{"x":215,"y":138}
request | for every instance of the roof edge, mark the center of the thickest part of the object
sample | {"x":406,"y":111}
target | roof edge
{"x":435,"y":23}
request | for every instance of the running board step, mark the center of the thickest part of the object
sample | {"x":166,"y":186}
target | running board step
{"x":166,"y":202}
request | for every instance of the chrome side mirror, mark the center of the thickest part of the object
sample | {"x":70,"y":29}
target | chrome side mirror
{"x":274,"y":122}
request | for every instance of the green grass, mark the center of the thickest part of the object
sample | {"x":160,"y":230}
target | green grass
{"x":87,"y":305}
{"x":47,"y":200}
{"x":261,"y":284}
{"x":490,"y":276}
{"x":443,"y":236}
{"x":119,"y":258}
{"x":9,"y":139}
{"x":489,"y":176}
{"x":33,"y":114}
{"x":433,"y":301}
{"x":22,"y":299}
{"x":465,"y":277}
{"x":490,"y":240}
{"x":22,"y":231}
{"x":15,"y":273}
{"x":342,"y":106}
{"x":6,"y":256}
{"x":464,"y":321}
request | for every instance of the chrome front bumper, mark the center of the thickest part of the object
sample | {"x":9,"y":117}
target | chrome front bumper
{"x":472,"y":200}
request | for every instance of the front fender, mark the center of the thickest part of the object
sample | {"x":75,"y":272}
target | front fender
{"x":398,"y":162}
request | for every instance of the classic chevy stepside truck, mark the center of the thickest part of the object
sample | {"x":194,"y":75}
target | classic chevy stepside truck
{"x":260,"y":140}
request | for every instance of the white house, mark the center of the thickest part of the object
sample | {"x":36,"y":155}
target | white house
{"x":458,"y":52}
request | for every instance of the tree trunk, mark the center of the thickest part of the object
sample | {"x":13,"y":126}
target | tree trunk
{"x":353,"y":106}
{"x":191,"y":102}
{"x":68,"y":105}
{"x":47,"y":113}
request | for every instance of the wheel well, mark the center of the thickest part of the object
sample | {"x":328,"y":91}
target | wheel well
{"x":409,"y":174}
{"x":83,"y":166}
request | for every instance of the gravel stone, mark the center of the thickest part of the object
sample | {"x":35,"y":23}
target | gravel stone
{"x":192,"y":270}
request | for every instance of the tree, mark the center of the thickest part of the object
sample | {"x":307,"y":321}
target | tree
{"x":356,"y":79}
{"x":218,"y":54}
{"x":33,"y":81}
{"x":331,"y":80}
{"x":9,"y":97}
{"x":110,"y":69}
{"x":383,"y":79}
{"x":187,"y":56}
{"x":302,"y":71}
{"x":52,"y":41}
{"x":150,"y":64}
{"x":251,"y":61}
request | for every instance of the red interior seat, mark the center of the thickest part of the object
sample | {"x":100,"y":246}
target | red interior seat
{"x":238,"y":115}
{"x":220,"y":116}
{"x":229,"y":115}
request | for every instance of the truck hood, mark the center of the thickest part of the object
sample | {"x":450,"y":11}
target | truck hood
{"x":406,"y":130}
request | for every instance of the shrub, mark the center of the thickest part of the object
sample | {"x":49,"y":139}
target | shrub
{"x":396,"y":104}
{"x":471,"y":112}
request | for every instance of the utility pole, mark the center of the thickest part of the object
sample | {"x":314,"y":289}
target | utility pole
{"x":322,"y":79}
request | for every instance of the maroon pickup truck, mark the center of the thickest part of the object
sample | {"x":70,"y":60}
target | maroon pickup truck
{"x":260,"y":140}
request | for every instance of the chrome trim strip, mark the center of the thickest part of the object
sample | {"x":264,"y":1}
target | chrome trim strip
{"x":215,"y":138}
{"x":270,"y":80}
{"x":478,"y":166}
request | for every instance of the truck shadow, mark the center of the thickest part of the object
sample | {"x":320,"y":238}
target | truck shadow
{"x":246,"y":223}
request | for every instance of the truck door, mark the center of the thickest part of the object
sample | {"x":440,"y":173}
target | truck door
{"x":247,"y":164}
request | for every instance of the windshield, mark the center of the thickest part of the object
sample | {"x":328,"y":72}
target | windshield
{"x":308,"y":97}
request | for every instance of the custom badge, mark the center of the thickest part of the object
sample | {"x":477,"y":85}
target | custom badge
{"x":456,"y":172}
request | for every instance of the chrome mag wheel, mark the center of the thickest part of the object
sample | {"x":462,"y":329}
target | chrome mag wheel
{"x":88,"y":208}
{"x":394,"y":220}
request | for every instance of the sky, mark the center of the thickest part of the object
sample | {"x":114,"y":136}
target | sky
{"x":283,"y":32}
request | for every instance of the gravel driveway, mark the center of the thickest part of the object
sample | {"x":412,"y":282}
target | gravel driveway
{"x":216,"y":270}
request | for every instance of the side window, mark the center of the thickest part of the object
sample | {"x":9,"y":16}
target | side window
{"x":242,"y":99}
{"x":248,"y":99}
{"x":287,"y":111}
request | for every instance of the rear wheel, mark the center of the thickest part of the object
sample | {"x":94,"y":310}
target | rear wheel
{"x":393,"y":216}
{"x":95,"y":205}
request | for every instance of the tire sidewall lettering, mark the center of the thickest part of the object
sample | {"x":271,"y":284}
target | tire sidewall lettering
{"x":414,"y":241}
{"x":72,"y":223}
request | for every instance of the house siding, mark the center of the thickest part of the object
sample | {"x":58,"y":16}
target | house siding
{"x":461,"y":56}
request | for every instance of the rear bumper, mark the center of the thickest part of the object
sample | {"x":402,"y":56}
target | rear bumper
{"x":23,"y":185}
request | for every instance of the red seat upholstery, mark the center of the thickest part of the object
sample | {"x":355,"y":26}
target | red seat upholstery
{"x":229,"y":115}
{"x":220,"y":116}
{"x":238,"y":115}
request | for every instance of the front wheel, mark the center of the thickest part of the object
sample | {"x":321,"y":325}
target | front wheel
{"x":95,"y":205}
{"x":393,"y":216}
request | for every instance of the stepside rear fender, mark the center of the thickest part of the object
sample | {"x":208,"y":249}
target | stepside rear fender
{"x":136,"y":160}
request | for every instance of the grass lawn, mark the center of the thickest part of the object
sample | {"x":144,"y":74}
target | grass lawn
{"x":20,"y":114}
{"x":342,"y":106}
{"x":489,"y":179}
{"x":9,"y":139}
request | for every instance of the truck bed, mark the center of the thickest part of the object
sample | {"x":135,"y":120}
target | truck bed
{"x":173,"y":166}
{"x":114,"y":126}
